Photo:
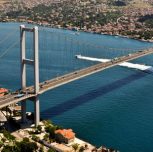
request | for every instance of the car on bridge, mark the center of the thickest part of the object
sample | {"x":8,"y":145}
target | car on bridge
{"x":19,"y":95}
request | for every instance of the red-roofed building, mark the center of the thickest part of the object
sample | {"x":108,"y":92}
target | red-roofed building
{"x":3,"y":91}
{"x":64,"y":135}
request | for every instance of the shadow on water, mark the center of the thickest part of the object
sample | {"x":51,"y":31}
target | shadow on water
{"x":89,"y":96}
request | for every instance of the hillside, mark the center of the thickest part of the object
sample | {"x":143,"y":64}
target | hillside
{"x":132,"y":18}
{"x":115,"y":3}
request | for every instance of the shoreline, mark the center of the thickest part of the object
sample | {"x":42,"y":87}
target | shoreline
{"x":92,"y":32}
{"x":79,"y":30}
{"x":42,"y":135}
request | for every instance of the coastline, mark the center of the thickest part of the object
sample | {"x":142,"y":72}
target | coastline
{"x":92,"y":32}
{"x":78,"y":30}
{"x":48,"y":135}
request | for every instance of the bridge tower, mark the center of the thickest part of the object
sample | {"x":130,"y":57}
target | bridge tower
{"x":33,"y":62}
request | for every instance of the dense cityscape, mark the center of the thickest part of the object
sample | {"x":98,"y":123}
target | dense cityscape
{"x":127,"y":18}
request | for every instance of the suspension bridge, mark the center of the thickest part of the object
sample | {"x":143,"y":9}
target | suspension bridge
{"x":32,"y":92}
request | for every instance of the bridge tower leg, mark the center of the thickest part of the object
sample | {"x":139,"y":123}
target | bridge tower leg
{"x":23,"y":71}
{"x":35,"y":63}
{"x":36,"y":75}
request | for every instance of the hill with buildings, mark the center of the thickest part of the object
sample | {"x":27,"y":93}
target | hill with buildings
{"x":132,"y":18}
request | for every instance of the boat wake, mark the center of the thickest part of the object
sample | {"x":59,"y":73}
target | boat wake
{"x":141,"y":67}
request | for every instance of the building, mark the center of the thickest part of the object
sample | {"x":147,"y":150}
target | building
{"x":64,"y":135}
{"x":3,"y":91}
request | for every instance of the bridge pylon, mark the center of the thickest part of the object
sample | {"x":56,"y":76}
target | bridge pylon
{"x":33,"y":62}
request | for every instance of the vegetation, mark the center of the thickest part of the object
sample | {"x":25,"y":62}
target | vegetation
{"x":81,"y":149}
{"x":38,"y":129}
{"x":50,"y":129}
{"x":63,"y":14}
{"x":1,"y":144}
{"x":117,"y":3}
{"x":75,"y":146}
{"x":26,"y":145}
{"x":7,"y":135}
{"x":41,"y":149}
{"x":148,"y":20}
{"x":35,"y":138}
{"x":23,"y":146}
{"x":118,"y":17}
{"x":51,"y":150}
{"x":46,"y":137}
{"x":146,"y":35}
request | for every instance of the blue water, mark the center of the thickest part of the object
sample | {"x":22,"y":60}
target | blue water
{"x":112,"y":108}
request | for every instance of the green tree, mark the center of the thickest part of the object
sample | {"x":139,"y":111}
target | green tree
{"x":26,"y":139}
{"x":35,"y":138}
{"x":46,"y":137}
{"x":1,"y":144}
{"x":75,"y":146}
{"x":51,"y":150}
{"x":81,"y":149}
{"x":9,"y":148}
{"x":25,"y":146}
{"x":8,"y":136}
{"x":51,"y":130}
{"x":39,"y":128}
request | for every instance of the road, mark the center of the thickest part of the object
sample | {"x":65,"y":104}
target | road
{"x":56,"y":82}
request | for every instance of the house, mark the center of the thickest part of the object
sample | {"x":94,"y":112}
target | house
{"x":3,"y":91}
{"x":64,"y":135}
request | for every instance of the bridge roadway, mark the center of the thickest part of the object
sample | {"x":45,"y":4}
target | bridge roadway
{"x":56,"y":82}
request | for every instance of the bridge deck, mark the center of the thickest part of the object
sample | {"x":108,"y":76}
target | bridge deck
{"x":56,"y":82}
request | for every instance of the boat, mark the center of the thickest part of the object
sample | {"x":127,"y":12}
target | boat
{"x":77,"y":56}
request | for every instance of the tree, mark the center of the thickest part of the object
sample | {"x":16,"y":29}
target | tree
{"x":51,"y":150}
{"x":51,"y":130}
{"x":25,"y":146}
{"x":9,"y":148}
{"x":8,"y":136}
{"x":26,"y":139}
{"x":81,"y":149}
{"x":39,"y":128}
{"x":47,"y":122}
{"x":1,"y":144}
{"x":46,"y":137}
{"x":35,"y":138}
{"x":75,"y":146}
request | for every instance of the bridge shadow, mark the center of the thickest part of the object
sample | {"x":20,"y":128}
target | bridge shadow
{"x":89,"y":96}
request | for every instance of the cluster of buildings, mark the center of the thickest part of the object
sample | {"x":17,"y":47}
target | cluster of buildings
{"x":86,"y":15}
